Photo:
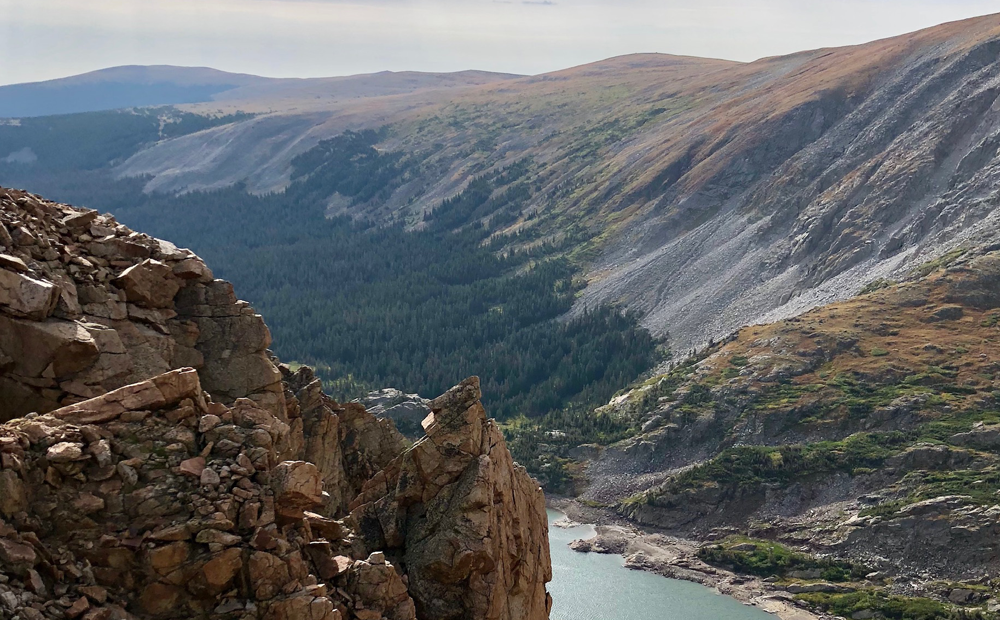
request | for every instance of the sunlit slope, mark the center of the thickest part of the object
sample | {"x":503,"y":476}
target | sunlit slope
{"x":864,"y":429}
{"x":707,"y":194}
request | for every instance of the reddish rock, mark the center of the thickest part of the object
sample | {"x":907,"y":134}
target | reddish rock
{"x":193,"y":467}
{"x":150,"y":284}
{"x":168,"y":558}
{"x":78,"y":608}
{"x":96,"y":594}
{"x":17,"y":555}
{"x":268,"y":575}
{"x":160,"y":598}
{"x":297,"y":486}
{"x":221,"y":570}
{"x":193,"y":269}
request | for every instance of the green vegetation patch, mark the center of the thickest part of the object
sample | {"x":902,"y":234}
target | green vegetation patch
{"x":770,"y":559}
{"x":541,"y":444}
{"x":890,"y":606}
{"x":739,"y":361}
{"x":940,"y":262}
{"x":753,"y":466}
{"x":663,"y":387}
{"x":876,"y":285}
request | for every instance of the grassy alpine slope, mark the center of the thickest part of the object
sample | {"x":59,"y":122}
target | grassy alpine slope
{"x":865,"y":432}
{"x":703,"y":194}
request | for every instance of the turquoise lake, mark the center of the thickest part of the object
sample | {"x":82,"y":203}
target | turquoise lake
{"x":589,"y":586}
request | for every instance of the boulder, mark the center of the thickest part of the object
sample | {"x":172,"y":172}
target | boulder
{"x":951,"y":312}
{"x":17,"y":557}
{"x":162,"y":311}
{"x":150,"y":284}
{"x":222,"y":569}
{"x":297,"y":486}
{"x":382,"y":589}
{"x":64,"y":452}
{"x":58,"y":348}
{"x":406,"y":411}
{"x":193,"y":269}
{"x":22,"y":295}
{"x":159,"y":392}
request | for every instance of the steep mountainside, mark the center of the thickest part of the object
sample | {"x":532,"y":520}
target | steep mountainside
{"x":681,"y":180}
{"x":863,"y":433}
{"x":158,"y":462}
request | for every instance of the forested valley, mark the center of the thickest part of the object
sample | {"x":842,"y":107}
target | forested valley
{"x":375,"y":304}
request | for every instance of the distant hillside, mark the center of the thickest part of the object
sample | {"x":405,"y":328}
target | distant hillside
{"x":139,"y":86}
{"x":119,"y":87}
{"x":704,"y":194}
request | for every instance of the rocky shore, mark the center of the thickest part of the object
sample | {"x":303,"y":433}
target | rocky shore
{"x":674,"y":558}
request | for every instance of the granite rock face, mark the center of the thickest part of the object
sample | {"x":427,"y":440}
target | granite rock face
{"x":460,"y":514}
{"x":87,"y":306}
{"x":406,"y":411}
{"x":157,"y":463}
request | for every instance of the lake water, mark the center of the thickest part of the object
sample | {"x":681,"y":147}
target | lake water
{"x":590,"y":586}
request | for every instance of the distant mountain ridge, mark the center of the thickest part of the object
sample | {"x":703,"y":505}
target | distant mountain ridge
{"x":119,"y":87}
{"x":705,"y":194}
{"x":714,"y":193}
{"x":156,"y":85}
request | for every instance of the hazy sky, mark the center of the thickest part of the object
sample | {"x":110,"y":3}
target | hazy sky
{"x":43,"y":39}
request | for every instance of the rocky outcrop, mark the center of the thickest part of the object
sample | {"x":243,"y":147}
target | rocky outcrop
{"x":157,"y":463}
{"x":87,"y":306}
{"x":346,"y":442}
{"x":460,"y":514}
{"x":131,"y":505}
{"x":406,"y":411}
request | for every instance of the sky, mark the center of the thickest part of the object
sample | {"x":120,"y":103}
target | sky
{"x":45,"y":39}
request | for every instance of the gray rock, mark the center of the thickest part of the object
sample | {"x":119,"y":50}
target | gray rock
{"x":407,"y":411}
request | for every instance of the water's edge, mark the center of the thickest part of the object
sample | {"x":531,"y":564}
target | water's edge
{"x":592,"y":586}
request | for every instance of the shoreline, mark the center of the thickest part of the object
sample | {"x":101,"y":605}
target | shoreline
{"x":673,"y":558}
